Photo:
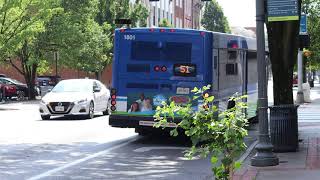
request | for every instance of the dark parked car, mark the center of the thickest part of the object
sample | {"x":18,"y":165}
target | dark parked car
{"x":47,"y":80}
{"x":22,"y":89}
{"x":46,"y":83}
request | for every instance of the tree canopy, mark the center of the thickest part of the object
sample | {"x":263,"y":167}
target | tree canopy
{"x":164,"y":23}
{"x":312,"y":8}
{"x":81,"y":31}
{"x":213,"y":18}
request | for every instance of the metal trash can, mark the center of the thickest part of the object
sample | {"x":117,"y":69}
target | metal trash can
{"x":284,"y":128}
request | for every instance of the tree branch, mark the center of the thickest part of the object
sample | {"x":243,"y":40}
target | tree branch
{"x":15,"y":67}
{"x":3,"y":21}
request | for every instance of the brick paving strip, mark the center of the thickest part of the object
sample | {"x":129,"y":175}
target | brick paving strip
{"x":311,"y":154}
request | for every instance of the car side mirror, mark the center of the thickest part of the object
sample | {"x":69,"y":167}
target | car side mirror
{"x":96,"y":89}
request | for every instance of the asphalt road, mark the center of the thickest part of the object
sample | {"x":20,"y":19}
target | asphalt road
{"x":70,"y":148}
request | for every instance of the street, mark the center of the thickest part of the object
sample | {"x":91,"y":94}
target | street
{"x":70,"y":148}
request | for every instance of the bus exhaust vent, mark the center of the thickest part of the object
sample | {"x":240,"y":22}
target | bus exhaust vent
{"x":138,"y":68}
{"x":142,"y":85}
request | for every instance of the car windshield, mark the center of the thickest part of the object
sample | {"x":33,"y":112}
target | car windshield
{"x":73,"y":86}
{"x":13,"y":80}
{"x":16,"y":81}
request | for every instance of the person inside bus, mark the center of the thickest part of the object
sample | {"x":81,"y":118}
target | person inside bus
{"x":134,"y":107}
{"x":141,"y":100}
{"x":146,"y":105}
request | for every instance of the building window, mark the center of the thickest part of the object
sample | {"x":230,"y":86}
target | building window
{"x":177,"y":22}
{"x":154,"y":16}
{"x":159,"y":13}
{"x":232,"y":69}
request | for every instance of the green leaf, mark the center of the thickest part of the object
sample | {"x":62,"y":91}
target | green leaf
{"x":210,"y":99}
{"x":214,"y":160}
{"x":195,"y":89}
{"x":174,"y":132}
{"x":237,"y":165}
{"x":195,"y":97}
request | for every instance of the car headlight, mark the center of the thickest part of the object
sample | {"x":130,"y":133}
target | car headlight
{"x":81,"y":101}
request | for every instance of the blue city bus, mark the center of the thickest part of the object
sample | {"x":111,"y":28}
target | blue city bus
{"x":152,"y":65}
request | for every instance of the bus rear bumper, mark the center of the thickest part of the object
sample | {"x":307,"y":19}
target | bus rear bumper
{"x":124,"y":121}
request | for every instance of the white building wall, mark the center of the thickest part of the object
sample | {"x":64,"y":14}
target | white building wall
{"x":162,"y":9}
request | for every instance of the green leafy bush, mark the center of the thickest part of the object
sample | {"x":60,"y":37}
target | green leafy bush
{"x":219,"y":135}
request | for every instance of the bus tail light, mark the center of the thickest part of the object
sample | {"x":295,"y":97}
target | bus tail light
{"x":163,"y":68}
{"x":113,"y":99}
{"x":203,"y":33}
{"x":122,"y":30}
{"x":151,"y":30}
{"x":172,"y":30}
{"x":156,"y":68}
{"x":162,"y":30}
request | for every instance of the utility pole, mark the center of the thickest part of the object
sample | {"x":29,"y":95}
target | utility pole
{"x":264,"y":156}
{"x":302,"y":43}
{"x":300,"y":95}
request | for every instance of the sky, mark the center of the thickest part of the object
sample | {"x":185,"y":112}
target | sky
{"x":239,"y":12}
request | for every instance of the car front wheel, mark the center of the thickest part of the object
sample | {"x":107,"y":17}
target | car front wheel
{"x":20,"y":95}
{"x":108,"y":110}
{"x":91,"y":111}
{"x":45,"y":117}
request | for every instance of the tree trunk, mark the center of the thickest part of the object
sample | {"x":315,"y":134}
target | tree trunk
{"x":29,"y":71}
{"x":283,"y":47}
{"x":98,"y":75}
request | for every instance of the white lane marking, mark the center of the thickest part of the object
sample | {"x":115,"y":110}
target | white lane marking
{"x":55,"y":170}
{"x":145,"y":149}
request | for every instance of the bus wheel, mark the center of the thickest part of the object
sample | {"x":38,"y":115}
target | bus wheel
{"x":141,"y":131}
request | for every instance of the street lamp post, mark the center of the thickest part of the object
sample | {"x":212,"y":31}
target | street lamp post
{"x":264,"y":155}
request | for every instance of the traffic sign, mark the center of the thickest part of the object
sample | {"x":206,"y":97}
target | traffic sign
{"x":303,"y":24}
{"x":282,"y":10}
{"x":122,"y":21}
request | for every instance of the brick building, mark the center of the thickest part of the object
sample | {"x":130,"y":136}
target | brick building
{"x":63,"y":72}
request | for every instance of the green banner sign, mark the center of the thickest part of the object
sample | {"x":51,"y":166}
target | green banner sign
{"x":283,"y":10}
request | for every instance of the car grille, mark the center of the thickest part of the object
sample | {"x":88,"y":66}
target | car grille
{"x":67,"y":107}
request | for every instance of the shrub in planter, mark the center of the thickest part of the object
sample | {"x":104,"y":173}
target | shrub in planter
{"x":219,"y":135}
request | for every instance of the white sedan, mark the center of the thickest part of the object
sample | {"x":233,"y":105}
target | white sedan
{"x":76,"y":97}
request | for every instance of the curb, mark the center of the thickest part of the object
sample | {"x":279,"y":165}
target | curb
{"x":246,"y":173}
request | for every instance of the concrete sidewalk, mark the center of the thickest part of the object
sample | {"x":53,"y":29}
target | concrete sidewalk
{"x":304,"y":164}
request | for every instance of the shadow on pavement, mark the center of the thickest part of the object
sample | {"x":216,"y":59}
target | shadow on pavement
{"x":70,"y":118}
{"x":22,"y":161}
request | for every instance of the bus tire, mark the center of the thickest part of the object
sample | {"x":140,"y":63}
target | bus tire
{"x":141,"y":131}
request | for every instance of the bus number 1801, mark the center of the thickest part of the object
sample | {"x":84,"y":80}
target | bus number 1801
{"x":129,"y":37}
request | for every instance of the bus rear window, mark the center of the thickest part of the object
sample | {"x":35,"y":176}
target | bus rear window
{"x":161,"y":51}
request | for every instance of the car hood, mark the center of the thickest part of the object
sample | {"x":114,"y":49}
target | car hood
{"x":66,"y":97}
